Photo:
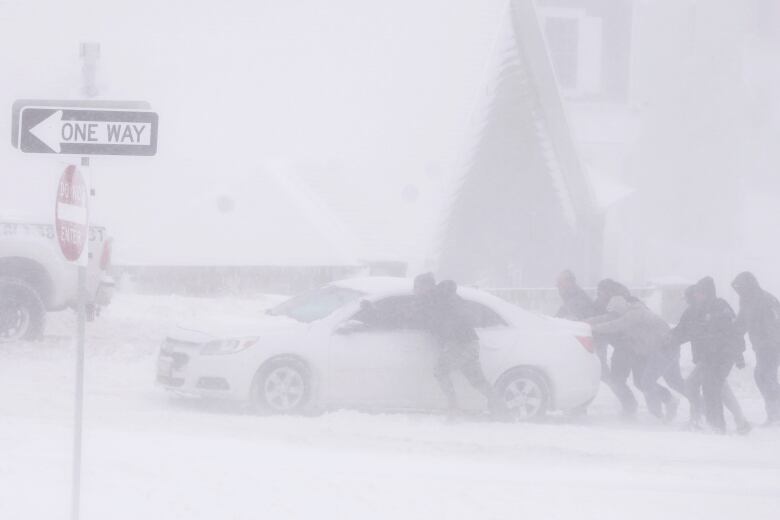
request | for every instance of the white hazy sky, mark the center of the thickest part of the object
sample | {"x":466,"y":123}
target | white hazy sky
{"x":369,"y":96}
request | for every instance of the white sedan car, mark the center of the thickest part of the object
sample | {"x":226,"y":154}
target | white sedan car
{"x":312,"y":352}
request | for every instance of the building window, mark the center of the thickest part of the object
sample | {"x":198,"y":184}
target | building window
{"x":574,"y":42}
{"x":563,"y":36}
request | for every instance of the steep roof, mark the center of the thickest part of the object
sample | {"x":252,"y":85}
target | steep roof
{"x":522,"y":185}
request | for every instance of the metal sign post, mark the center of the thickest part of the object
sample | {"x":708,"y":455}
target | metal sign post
{"x":81,"y":333}
{"x":78,"y":414}
{"x":72,"y":228}
{"x":90,"y":52}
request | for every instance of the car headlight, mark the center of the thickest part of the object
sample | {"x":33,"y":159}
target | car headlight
{"x":227,"y":346}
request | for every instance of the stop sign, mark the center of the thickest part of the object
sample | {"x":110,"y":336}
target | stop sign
{"x":71,"y":214}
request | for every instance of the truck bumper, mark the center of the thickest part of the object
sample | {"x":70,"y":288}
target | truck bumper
{"x":105,"y":292}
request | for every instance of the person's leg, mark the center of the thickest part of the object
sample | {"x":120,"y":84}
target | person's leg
{"x":774,"y":382}
{"x":471,"y":369}
{"x":602,"y":348}
{"x":656,"y":395}
{"x":638,"y":364}
{"x":693,"y":392}
{"x":733,"y":406}
{"x":622,"y":363}
{"x":715,"y":374}
{"x":760,"y":375}
{"x":773,"y":385}
{"x":442,"y":372}
{"x":767,"y":360}
{"x":673,"y":375}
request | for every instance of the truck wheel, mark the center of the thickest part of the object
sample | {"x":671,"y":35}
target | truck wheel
{"x":22,"y":313}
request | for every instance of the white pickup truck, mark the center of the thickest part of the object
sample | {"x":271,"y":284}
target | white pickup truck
{"x":36,"y":279}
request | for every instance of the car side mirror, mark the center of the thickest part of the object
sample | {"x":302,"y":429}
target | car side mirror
{"x":350,"y":327}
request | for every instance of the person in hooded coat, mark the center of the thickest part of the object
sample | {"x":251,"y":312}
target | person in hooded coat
{"x":624,"y":361}
{"x":608,"y":289}
{"x":576,"y":305}
{"x":759,"y":317}
{"x":458,"y":344}
{"x":686,"y":331}
{"x":647,"y":335}
{"x":719,"y":346}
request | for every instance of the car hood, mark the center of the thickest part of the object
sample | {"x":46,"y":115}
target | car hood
{"x":205,"y":330}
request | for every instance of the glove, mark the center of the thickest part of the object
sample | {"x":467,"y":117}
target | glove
{"x":740,"y":364}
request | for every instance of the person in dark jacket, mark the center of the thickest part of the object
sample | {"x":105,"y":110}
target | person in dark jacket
{"x":684,"y":332}
{"x":424,"y":289}
{"x":718,"y":344}
{"x":624,"y":361}
{"x":458,"y":344}
{"x":759,"y":317}
{"x":608,"y":289}
{"x":646,"y":334}
{"x":576,"y":304}
{"x":424,"y":286}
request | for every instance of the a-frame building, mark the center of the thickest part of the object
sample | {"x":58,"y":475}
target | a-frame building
{"x":523,"y":208}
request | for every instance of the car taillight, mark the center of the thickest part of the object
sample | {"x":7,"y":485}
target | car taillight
{"x":587,"y":342}
{"x":105,"y":257}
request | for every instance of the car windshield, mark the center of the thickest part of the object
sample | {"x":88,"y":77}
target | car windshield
{"x":315,"y":305}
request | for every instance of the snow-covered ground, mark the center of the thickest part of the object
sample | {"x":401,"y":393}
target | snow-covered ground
{"x":150,"y":456}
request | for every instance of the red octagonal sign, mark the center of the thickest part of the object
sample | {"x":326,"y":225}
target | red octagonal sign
{"x":71,"y":213}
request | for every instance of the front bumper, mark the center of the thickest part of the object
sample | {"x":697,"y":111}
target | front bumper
{"x":181,"y":368}
{"x":105,"y":292}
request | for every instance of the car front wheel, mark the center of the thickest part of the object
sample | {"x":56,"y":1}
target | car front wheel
{"x":281,"y":387}
{"x":523,"y":394}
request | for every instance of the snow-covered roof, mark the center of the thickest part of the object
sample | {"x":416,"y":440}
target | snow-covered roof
{"x":259,"y":215}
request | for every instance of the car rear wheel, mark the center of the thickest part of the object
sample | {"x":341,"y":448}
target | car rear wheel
{"x":523,"y":394}
{"x":22,"y":313}
{"x":281,"y":387}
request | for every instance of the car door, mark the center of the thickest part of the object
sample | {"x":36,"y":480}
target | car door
{"x":377,"y":356}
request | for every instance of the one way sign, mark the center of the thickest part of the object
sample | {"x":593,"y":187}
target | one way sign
{"x":86,"y":131}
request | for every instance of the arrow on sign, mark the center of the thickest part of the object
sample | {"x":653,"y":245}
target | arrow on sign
{"x":54,"y":131}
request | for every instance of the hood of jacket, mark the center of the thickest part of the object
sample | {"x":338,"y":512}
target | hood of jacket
{"x":706,"y":287}
{"x":746,"y":284}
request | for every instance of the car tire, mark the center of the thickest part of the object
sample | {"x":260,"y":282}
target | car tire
{"x":523,"y":395}
{"x":281,"y":387}
{"x":22,"y":313}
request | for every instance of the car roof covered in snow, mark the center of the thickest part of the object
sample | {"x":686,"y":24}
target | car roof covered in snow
{"x":379,"y":286}
{"x":376,"y":284}
{"x":387,"y":286}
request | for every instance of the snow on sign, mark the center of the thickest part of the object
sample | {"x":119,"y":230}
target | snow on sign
{"x":71,"y":219}
{"x":86,"y":131}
